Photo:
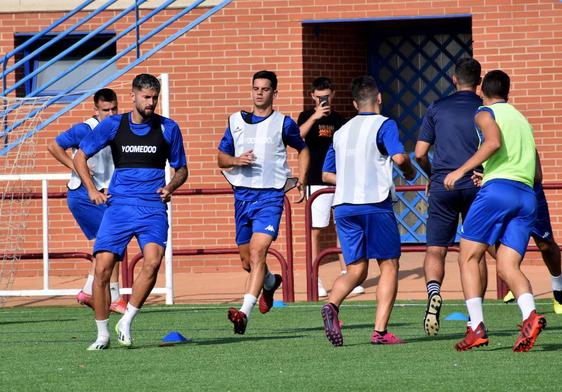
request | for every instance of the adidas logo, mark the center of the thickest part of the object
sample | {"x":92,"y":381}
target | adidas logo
{"x":270,"y":228}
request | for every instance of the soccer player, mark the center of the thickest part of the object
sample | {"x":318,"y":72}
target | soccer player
{"x":448,"y":125}
{"x":253,"y":156}
{"x":503,"y":212}
{"x":87,"y":214}
{"x":317,"y":127}
{"x":543,"y":237}
{"x":141,"y":141}
{"x":363,"y":152}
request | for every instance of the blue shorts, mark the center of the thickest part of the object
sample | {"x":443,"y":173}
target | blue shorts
{"x":87,"y":214}
{"x":368,"y":236}
{"x":443,"y":214}
{"x":121,"y":222}
{"x":260,"y":216}
{"x":503,"y":211}
{"x":542,"y":230}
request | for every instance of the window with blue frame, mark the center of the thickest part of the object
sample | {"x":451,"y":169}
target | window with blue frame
{"x":57,"y":73}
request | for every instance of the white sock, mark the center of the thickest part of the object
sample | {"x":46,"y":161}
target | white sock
{"x":474,"y":306}
{"x":127,"y":319}
{"x":556,"y":283}
{"x":526,"y":303}
{"x":88,"y":285}
{"x":103,"y":331}
{"x":114,"y":291}
{"x":269,"y":281}
{"x":248,"y":304}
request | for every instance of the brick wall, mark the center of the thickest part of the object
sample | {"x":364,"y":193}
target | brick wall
{"x":210,"y":70}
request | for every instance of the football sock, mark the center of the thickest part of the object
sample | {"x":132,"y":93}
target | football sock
{"x":433,"y":287}
{"x":474,"y":306}
{"x":557,"y":287}
{"x":248,"y":304}
{"x":335,"y":306}
{"x":127,"y":318}
{"x":269,"y":281}
{"x":103,"y":331}
{"x":114,"y":291}
{"x":526,"y":303}
{"x":88,"y":285}
{"x":382,"y":333}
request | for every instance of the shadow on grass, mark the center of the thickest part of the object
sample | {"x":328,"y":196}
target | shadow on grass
{"x":36,"y":321}
{"x":219,"y":341}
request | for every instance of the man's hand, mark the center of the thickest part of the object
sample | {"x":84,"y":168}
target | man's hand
{"x":165,"y":194}
{"x":321,"y":110}
{"x":301,"y":188}
{"x":477,"y":178}
{"x":246,"y":159}
{"x":98,"y":197}
{"x":451,"y":178}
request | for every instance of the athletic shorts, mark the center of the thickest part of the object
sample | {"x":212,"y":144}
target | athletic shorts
{"x":123,"y":222}
{"x":87,"y":214}
{"x":504,"y":211}
{"x":443,"y":214}
{"x":260,"y":216}
{"x":321,"y":208}
{"x":368,"y":236}
{"x":542,"y":229}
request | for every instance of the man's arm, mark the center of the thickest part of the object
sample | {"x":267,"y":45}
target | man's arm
{"x":492,"y":143}
{"x":405,"y":165}
{"x":319,"y":112}
{"x":304,"y":163}
{"x":227,"y":161}
{"x":179,"y":177}
{"x":329,"y":178}
{"x":81,"y":168}
{"x":421,"y":153}
{"x":61,"y":155}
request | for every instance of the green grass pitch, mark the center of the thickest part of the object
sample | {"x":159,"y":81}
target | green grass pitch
{"x":44,"y":349}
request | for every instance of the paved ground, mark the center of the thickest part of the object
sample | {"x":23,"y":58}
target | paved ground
{"x":220,"y":288}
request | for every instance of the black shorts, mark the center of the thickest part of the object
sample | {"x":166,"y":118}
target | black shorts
{"x":443,"y":214}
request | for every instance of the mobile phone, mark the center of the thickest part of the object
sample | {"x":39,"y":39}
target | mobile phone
{"x":324,"y":100}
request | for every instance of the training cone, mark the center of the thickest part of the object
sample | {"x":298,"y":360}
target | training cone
{"x":173,"y":338}
{"x":279,"y":304}
{"x":457,"y":316}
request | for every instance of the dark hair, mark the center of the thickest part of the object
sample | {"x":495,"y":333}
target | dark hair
{"x":467,"y":71}
{"x":106,"y":95}
{"x":496,"y":84}
{"x":322,"y":83}
{"x":146,"y":81}
{"x":364,"y":89}
{"x":266,"y":75}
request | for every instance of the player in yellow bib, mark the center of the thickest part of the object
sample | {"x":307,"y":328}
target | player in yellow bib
{"x":503,"y":213}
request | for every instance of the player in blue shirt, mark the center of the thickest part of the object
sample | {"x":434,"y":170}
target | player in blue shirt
{"x":448,"y":126}
{"x":252,"y":154}
{"x":359,"y":163}
{"x":141,"y":142}
{"x":87,"y":214}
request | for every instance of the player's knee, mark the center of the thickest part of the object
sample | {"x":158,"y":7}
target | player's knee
{"x":103,"y":274}
{"x":257,"y":256}
{"x":437,"y":252}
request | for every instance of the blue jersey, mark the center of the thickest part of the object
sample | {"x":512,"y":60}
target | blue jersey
{"x":73,"y":136}
{"x":291,"y":137}
{"x":136,"y":186}
{"x":388,"y":142}
{"x":449,"y":126}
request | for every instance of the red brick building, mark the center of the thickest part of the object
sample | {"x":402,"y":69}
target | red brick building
{"x":408,"y":45}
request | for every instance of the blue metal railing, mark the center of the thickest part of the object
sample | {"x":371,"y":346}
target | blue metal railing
{"x":68,"y":50}
{"x":57,"y":38}
{"x":84,"y":95}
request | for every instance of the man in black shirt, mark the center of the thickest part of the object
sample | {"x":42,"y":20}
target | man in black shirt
{"x":317,"y":127}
